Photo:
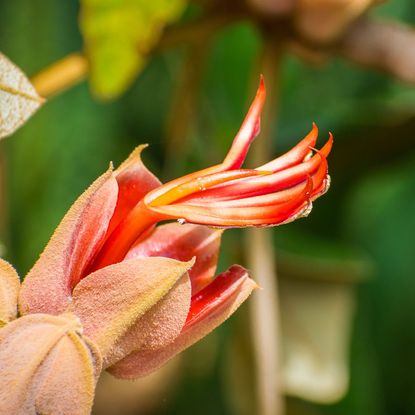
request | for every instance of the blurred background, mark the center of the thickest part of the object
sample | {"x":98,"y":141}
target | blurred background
{"x":180,"y":75}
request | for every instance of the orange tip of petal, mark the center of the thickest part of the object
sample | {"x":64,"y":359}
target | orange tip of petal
{"x":262,"y":84}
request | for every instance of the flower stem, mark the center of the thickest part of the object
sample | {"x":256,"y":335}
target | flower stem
{"x":61,"y":75}
{"x":265,"y":323}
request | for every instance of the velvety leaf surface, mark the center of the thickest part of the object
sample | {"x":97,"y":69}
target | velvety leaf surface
{"x":111,"y":300}
{"x":9,"y":290}
{"x":118,"y":36}
{"x":18,"y":98}
{"x":211,"y":307}
{"x":48,"y":285}
{"x":47,"y":366}
{"x":158,"y":327}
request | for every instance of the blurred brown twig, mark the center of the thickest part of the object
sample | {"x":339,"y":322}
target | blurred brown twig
{"x":265,"y":325}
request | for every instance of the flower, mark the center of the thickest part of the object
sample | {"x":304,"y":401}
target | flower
{"x":143,"y":302}
{"x":227,"y":196}
{"x":133,"y":294}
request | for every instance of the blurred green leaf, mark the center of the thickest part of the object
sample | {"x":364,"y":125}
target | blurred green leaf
{"x":305,"y":256}
{"x":118,"y":36}
{"x":380,"y":218}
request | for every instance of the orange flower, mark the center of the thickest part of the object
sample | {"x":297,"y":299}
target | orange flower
{"x":141,"y":303}
{"x":144,"y":293}
{"x":227,"y":196}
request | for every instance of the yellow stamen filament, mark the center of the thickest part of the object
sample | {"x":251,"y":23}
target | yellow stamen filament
{"x":202,"y":183}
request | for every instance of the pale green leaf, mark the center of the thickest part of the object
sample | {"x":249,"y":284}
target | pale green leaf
{"x":118,"y":36}
{"x":18,"y":98}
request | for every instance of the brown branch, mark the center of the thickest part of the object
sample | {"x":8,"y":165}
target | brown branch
{"x":381,"y":45}
{"x":183,"y":34}
{"x":61,"y":75}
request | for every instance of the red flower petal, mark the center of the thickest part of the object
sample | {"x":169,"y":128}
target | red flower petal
{"x":295,"y":155}
{"x":200,"y":184}
{"x":134,"y":182}
{"x":237,"y":153}
{"x":183,"y":242}
{"x":249,"y":130}
{"x":206,"y":302}
{"x":267,"y":183}
{"x":265,"y":213}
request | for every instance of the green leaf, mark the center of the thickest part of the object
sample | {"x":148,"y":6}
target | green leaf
{"x":305,"y":256}
{"x":380,"y":217}
{"x":118,"y":36}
